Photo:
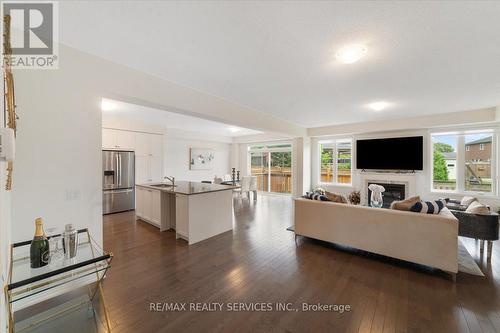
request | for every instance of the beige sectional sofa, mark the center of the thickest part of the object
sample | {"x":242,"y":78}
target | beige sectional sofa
{"x":426,"y":239}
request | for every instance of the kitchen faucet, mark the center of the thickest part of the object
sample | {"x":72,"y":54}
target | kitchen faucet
{"x":172,"y":179}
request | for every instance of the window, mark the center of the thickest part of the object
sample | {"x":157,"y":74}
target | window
{"x":462,"y":162}
{"x":478,"y":176}
{"x":272,"y":164}
{"x":335,"y":162}
{"x":444,"y":155}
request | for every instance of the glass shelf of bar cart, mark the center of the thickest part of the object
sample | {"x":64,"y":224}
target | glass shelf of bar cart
{"x":29,"y":286}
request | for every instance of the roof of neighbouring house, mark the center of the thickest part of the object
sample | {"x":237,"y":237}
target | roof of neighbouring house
{"x":483,"y":140}
{"x":450,"y":156}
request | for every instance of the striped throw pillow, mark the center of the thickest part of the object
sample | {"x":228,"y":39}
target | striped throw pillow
{"x":316,"y":196}
{"x":428,"y":207}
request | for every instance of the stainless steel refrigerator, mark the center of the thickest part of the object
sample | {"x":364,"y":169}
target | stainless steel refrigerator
{"x":118,"y":181}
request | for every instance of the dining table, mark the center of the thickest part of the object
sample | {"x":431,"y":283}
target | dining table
{"x":230,"y":182}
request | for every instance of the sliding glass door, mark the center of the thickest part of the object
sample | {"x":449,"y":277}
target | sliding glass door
{"x":260,"y":168}
{"x":272,"y":165}
{"x":281,"y":172}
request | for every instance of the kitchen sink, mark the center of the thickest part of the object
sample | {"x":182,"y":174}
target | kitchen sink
{"x":163,"y":185}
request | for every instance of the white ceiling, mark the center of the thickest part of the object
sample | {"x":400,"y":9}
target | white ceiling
{"x":277,"y":57}
{"x":174,"y":120}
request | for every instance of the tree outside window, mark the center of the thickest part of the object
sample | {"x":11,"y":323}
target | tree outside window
{"x":327,"y":166}
{"x":475,"y":168}
{"x":444,"y":163}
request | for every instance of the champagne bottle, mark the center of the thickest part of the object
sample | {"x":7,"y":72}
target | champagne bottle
{"x":39,"y":250}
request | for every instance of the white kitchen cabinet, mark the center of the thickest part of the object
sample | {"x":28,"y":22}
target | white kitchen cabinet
{"x":139,"y":201}
{"x":148,"y":205}
{"x":142,"y":169}
{"x":148,"y":144}
{"x":118,"y":139}
{"x":155,"y":168}
{"x":125,"y":139}
{"x":155,"y":207}
{"x":148,"y":149}
{"x":148,"y":169}
{"x":156,"y":145}
{"x":142,"y":144}
{"x":149,"y":157}
{"x":108,"y":138}
{"x":182,"y":216}
{"x":193,"y":210}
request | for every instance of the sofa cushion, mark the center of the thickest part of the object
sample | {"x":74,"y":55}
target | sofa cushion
{"x":428,"y":207}
{"x":466,"y":201}
{"x":456,"y":206}
{"x":477,"y":208}
{"x":339,"y":198}
{"x":316,"y":196}
{"x":405,"y":204}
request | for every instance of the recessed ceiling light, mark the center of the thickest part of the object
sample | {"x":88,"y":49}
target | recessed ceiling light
{"x":378,"y":106}
{"x":107,"y":105}
{"x":349,"y":54}
{"x":234,"y":129}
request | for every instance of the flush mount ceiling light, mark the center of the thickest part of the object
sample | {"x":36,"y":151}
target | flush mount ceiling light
{"x":107,"y":105}
{"x":378,"y":106}
{"x":234,"y":129}
{"x":349,"y":54}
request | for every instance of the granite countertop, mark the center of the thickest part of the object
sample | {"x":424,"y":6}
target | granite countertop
{"x":188,"y":188}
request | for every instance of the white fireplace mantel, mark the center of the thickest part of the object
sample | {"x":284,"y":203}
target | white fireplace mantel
{"x":407,"y":179}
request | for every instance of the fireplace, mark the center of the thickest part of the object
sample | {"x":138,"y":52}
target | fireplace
{"x":393,"y":192}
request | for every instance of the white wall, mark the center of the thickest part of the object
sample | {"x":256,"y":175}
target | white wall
{"x":301,"y":169}
{"x":124,"y":123}
{"x":176,"y":158}
{"x":235,"y":156}
{"x":306,"y":168}
{"x":5,"y":238}
{"x":244,"y":161}
{"x":453,"y":119}
{"x":58,"y":160}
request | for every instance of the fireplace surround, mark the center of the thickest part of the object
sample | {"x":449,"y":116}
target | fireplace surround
{"x":393,"y":192}
{"x":408,"y":180}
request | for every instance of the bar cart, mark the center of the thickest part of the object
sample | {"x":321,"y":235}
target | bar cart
{"x":27,"y":287}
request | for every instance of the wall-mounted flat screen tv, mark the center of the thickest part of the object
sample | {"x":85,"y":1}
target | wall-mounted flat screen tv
{"x":390,"y":154}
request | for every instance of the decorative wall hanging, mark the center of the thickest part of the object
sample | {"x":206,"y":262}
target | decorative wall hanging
{"x":10,"y":116}
{"x":201,"y":159}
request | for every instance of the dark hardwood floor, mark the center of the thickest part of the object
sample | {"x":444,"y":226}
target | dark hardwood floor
{"x":259,"y":262}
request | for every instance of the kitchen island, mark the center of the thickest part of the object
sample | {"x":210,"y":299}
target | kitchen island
{"x":196,"y":211}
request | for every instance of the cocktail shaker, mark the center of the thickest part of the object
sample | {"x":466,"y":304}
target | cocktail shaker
{"x":70,"y":241}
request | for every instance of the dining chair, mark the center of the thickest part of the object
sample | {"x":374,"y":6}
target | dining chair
{"x":253,"y":187}
{"x":244,"y":186}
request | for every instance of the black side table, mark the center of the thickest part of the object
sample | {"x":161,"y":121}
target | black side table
{"x":477,"y":226}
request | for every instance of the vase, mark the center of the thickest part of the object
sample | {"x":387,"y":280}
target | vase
{"x":376,"y":199}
